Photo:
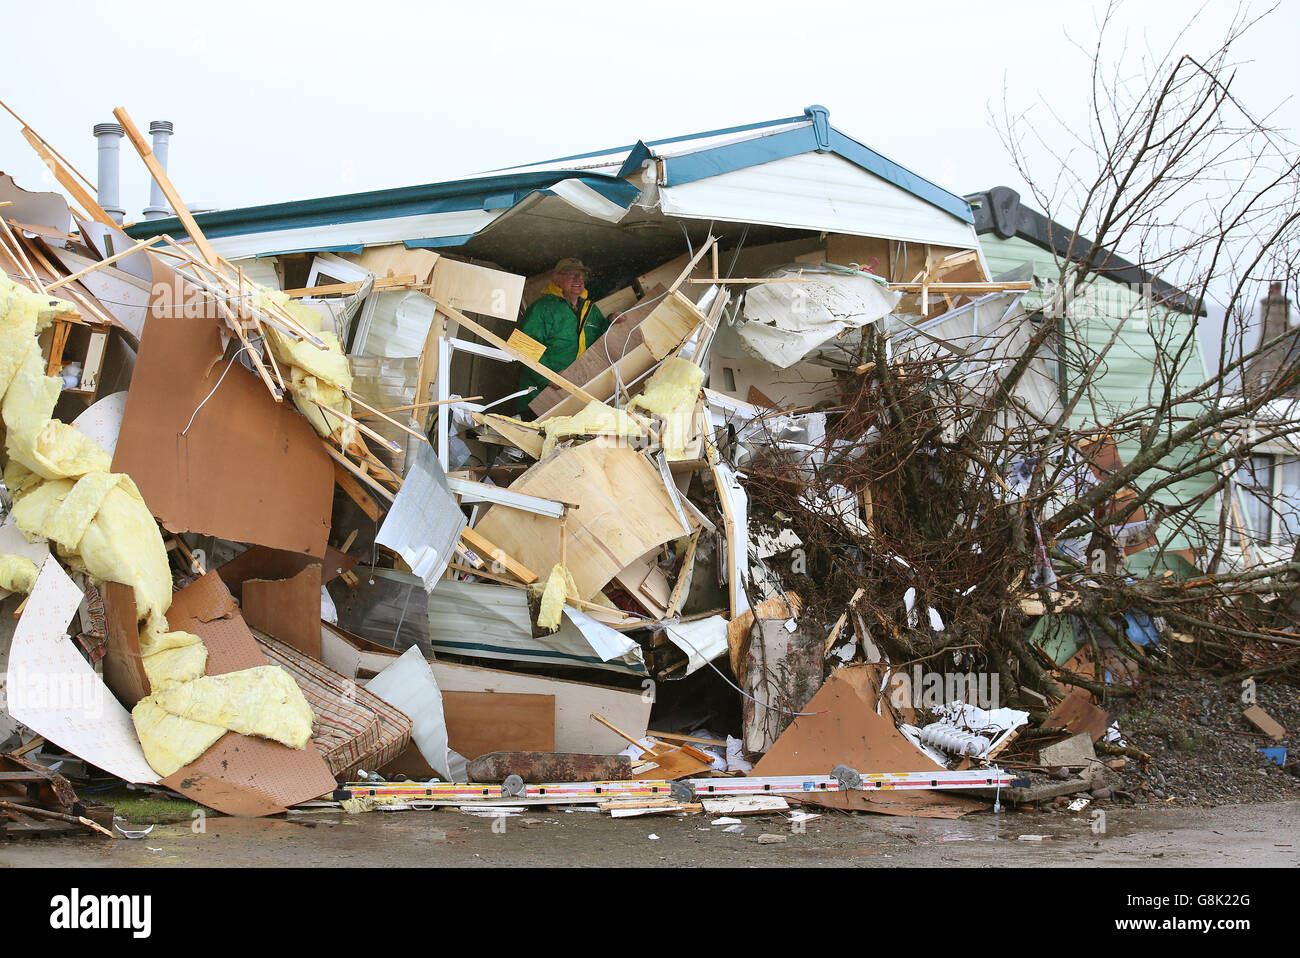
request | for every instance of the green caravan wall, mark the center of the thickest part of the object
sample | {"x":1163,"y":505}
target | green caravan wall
{"x":1128,"y":376}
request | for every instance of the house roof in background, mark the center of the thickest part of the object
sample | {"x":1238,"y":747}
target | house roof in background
{"x":1000,"y":211}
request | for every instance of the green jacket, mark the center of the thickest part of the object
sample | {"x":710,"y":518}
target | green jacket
{"x":554,"y":323}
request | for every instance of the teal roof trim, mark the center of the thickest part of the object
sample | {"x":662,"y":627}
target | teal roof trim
{"x":484,"y":193}
{"x":439,"y":242}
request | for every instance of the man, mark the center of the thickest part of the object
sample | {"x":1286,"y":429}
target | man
{"x":563,"y":320}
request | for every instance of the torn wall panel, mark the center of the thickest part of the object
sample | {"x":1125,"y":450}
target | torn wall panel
{"x":761,"y":383}
{"x":90,"y":723}
{"x":287,"y":609}
{"x":409,"y":685}
{"x":483,"y":620}
{"x":425,"y":522}
{"x":477,"y":289}
{"x":388,"y":383}
{"x":245,"y":468}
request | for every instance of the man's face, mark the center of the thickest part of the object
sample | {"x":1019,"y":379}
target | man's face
{"x":571,"y":282}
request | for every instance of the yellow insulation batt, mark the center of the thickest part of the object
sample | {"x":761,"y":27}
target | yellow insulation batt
{"x":263,"y":701}
{"x":671,"y":395}
{"x":47,"y":447}
{"x":169,"y":741}
{"x":23,"y":315}
{"x":179,"y":723}
{"x":102,"y":526}
{"x":63,"y":492}
{"x":316,"y":375}
{"x":559,"y":586}
{"x":595,"y":418}
{"x":17,"y":573}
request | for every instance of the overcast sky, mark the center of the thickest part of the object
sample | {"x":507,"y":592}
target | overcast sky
{"x":278,"y":100}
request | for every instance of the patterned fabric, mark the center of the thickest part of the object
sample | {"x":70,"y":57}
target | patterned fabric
{"x":354,"y":728}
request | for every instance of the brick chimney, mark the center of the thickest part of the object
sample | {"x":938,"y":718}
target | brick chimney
{"x":1274,"y":320}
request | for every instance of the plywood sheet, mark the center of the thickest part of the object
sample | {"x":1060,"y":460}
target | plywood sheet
{"x":667,"y":274}
{"x":287,"y":609}
{"x":482,"y":722}
{"x":605,"y":535}
{"x":477,"y":289}
{"x":868,"y":251}
{"x":617,"y":301}
{"x":673,"y":764}
{"x":1077,"y":713}
{"x":396,"y":260}
{"x":844,"y":731}
{"x":246,"y":468}
{"x":1265,"y":723}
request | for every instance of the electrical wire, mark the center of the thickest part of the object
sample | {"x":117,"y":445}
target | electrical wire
{"x":214,"y":389}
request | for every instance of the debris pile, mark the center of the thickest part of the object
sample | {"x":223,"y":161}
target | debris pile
{"x":648,"y":591}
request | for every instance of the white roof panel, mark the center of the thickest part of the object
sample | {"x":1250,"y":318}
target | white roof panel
{"x":817,"y":191}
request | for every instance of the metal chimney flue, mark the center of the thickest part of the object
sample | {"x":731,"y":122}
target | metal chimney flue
{"x":161,"y":131}
{"x":110,"y":136}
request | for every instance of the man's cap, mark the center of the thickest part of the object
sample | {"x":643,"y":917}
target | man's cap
{"x":571,"y":264}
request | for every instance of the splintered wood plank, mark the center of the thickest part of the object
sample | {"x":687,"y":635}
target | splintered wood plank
{"x":1076,"y":713}
{"x":526,"y":345}
{"x":483,"y":722}
{"x":520,"y":435}
{"x":59,"y":340}
{"x":123,"y":665}
{"x":160,"y":177}
{"x":632,"y":346}
{"x":65,"y":178}
{"x":487,"y":549}
{"x":346,"y":289}
{"x":358,"y":495}
{"x":674,"y":764}
{"x":495,"y":340}
{"x":1265,"y":723}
